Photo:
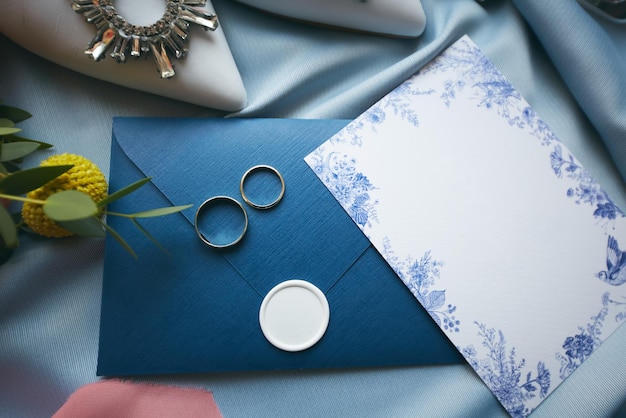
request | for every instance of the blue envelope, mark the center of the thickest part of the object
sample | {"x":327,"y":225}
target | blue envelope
{"x":196,"y":309}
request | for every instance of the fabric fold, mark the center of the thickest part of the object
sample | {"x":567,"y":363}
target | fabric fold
{"x":587,"y":51}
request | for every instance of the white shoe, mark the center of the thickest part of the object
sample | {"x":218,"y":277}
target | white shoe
{"x":403,"y":18}
{"x":207,"y":75}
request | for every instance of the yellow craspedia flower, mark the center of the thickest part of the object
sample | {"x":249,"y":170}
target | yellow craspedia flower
{"x":85,"y":177}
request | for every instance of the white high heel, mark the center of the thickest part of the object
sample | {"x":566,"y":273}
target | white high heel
{"x":207,"y":76}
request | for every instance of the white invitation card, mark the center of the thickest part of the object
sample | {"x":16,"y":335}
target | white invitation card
{"x":497,"y":230}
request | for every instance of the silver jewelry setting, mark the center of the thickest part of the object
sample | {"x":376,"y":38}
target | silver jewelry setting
{"x":259,"y":205}
{"x":168,"y":35}
{"x":214,"y":200}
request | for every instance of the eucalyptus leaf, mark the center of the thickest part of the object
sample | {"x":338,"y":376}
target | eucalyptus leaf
{"x":16,"y":138}
{"x":10,"y":166}
{"x":23,"y":181}
{"x":120,"y":240}
{"x":149,"y":235}
{"x":69,"y":205}
{"x":160,"y":211}
{"x":123,"y":192}
{"x":17,"y":219}
{"x":8,"y":232}
{"x":14,"y":113}
{"x":86,"y":227}
{"x":13,"y":150}
{"x":6,"y":130}
{"x":4,"y":122}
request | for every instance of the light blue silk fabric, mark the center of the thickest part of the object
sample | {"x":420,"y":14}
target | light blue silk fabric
{"x":589,"y":52}
{"x":50,"y":289}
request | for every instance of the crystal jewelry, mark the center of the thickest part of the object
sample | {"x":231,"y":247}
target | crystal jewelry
{"x":213,"y":204}
{"x":168,"y":34}
{"x":262,"y":205}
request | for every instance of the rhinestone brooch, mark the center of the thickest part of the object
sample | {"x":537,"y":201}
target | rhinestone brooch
{"x":166,"y":36}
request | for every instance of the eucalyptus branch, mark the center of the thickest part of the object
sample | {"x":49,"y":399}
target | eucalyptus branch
{"x":73,"y":210}
{"x":21,"y":199}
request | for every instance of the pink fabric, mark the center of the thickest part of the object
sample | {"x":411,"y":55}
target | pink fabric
{"x":115,"y":398}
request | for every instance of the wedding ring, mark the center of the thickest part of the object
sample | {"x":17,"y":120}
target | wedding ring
{"x":247,"y":178}
{"x":220,"y":225}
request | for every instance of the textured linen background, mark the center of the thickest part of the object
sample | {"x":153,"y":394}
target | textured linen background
{"x":50,"y":290}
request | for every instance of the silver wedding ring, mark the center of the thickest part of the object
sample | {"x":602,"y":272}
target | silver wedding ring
{"x":250,"y":201}
{"x":221,"y":236}
{"x":215,"y":222}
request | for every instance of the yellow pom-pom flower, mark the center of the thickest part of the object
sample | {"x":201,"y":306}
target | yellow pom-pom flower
{"x":85,"y":177}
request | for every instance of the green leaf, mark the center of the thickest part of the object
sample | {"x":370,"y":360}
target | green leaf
{"x":10,"y":166}
{"x":86,"y":227}
{"x":14,"y":150}
{"x":123,"y":192}
{"x":6,"y":130}
{"x":149,"y":235}
{"x":14,"y":113}
{"x":8,"y":232}
{"x":7,"y":123}
{"x":15,"y":138}
{"x":24,"y":181}
{"x":160,"y":211}
{"x":69,"y":205}
{"x":120,"y":240}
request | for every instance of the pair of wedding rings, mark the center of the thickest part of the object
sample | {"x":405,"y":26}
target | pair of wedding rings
{"x":221,"y":235}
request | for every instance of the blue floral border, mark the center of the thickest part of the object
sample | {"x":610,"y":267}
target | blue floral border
{"x":419,"y":275}
{"x":577,"y":348}
{"x":492,"y":90}
{"x":500,"y":368}
{"x":349,"y":187}
{"x":502,"y":372}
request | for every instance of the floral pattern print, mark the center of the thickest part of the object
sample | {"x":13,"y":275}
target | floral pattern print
{"x":349,"y":187}
{"x":585,"y":190}
{"x":577,"y":348}
{"x":465,"y":73}
{"x":502,"y":372}
{"x":419,"y":276}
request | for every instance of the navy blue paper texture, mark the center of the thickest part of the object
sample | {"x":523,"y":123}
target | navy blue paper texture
{"x":196,"y":309}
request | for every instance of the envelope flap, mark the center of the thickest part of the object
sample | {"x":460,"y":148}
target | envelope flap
{"x":191,"y":160}
{"x":198,"y":308}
